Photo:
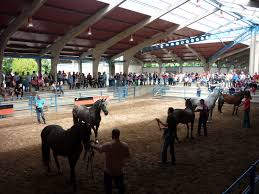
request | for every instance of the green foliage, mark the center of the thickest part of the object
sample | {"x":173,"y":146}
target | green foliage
{"x":7,"y":65}
{"x":46,"y":65}
{"x":170,"y":65}
{"x":151,"y":65}
{"x":24,"y":65}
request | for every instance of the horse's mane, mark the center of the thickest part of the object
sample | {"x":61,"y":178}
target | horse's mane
{"x":97,"y":103}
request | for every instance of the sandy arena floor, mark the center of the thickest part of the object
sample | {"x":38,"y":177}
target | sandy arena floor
{"x":205,"y":165}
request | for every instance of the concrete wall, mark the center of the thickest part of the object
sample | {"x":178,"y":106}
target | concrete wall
{"x":103,"y":66}
{"x":185,"y":70}
{"x":87,"y":67}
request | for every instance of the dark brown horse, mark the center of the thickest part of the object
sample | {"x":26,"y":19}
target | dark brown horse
{"x":90,"y":116}
{"x":68,"y":143}
{"x":235,"y":99}
{"x":185,"y":116}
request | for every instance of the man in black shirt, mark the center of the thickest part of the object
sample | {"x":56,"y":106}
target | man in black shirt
{"x":169,"y":136}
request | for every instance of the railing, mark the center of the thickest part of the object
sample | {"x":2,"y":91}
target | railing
{"x":123,"y":92}
{"x":159,"y":90}
{"x":251,"y":172}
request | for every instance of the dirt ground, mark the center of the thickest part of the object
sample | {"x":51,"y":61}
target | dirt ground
{"x":205,"y":165}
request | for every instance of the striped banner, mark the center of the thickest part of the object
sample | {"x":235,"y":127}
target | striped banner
{"x":89,"y":101}
{"x":6,"y":109}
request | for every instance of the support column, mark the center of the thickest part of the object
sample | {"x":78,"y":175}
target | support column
{"x":39,"y":66}
{"x":160,"y":68}
{"x":54,"y":64}
{"x":207,"y":67}
{"x":180,"y":68}
{"x":111,"y":68}
{"x":2,"y":47}
{"x":126,"y":64}
{"x":252,"y":52}
{"x":80,"y":67}
{"x":1,"y":63}
{"x":96,"y":62}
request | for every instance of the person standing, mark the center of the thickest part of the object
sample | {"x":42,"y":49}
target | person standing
{"x":18,"y":91}
{"x":204,"y":114}
{"x":198,"y":94}
{"x":246,"y":108}
{"x":116,"y":152}
{"x":169,"y":136}
{"x":39,"y":104}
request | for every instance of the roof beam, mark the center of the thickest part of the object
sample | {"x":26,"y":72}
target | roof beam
{"x":61,"y":41}
{"x":173,"y":55}
{"x":102,"y":47}
{"x":233,"y":52}
{"x":14,"y":25}
{"x":132,"y":51}
{"x":17,"y":22}
{"x":203,"y":60}
{"x":239,"y":39}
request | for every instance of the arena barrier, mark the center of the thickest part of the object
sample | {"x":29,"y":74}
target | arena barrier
{"x":89,"y":101}
{"x":6,"y":109}
{"x":251,"y":172}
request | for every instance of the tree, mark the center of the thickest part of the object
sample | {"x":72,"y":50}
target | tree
{"x":24,"y":65}
{"x":46,"y":65}
{"x":7,"y":65}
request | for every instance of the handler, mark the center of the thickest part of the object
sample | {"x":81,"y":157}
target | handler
{"x":169,"y":136}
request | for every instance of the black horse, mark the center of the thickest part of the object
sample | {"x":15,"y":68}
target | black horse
{"x":90,"y":116}
{"x":67,"y":143}
{"x":185,"y":116}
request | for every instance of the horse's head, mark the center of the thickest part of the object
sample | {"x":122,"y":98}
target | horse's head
{"x":188,"y":103}
{"x":102,"y":105}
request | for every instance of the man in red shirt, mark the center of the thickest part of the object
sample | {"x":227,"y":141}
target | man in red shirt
{"x":116,"y":152}
{"x":246,"y":106}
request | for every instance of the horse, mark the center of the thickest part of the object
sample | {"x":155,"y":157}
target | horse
{"x":185,"y":116}
{"x":92,"y":115}
{"x":67,"y":143}
{"x":210,"y":101}
{"x":235,"y":99}
{"x":7,"y":92}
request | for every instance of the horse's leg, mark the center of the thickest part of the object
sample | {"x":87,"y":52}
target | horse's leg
{"x":236,"y":110}
{"x":96,"y":131}
{"x":192,"y":128}
{"x":72,"y":164}
{"x":187,"y":130}
{"x":57,"y":163}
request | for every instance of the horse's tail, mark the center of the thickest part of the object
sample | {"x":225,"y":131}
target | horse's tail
{"x":220,"y":103}
{"x":45,"y":149}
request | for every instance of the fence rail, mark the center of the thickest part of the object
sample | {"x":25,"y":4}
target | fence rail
{"x":251,"y":172}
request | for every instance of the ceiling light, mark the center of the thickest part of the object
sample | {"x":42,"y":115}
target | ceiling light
{"x":29,"y":24}
{"x":131,"y":38}
{"x":89,"y":31}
